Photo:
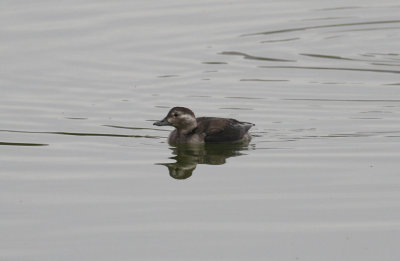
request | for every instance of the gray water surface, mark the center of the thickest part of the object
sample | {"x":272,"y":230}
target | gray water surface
{"x":84,"y":175}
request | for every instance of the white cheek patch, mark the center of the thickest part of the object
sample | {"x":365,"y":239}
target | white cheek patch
{"x":186,"y":117}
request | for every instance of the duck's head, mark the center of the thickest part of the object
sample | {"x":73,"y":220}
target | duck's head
{"x":181,"y":118}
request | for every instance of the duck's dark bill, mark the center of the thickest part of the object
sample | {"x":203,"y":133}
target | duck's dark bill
{"x":163,"y":122}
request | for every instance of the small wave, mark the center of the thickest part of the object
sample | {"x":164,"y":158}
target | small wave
{"x":251,"y":57}
{"x":22,"y":144}
{"x":321,"y":26}
{"x":331,"y":68}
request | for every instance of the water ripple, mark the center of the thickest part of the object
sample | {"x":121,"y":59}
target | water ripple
{"x":342,"y":100}
{"x":327,"y":56}
{"x":84,"y":134}
{"x":22,"y":144}
{"x":321,"y":26}
{"x":331,"y":68}
{"x":251,"y":57}
{"x":281,"y":40}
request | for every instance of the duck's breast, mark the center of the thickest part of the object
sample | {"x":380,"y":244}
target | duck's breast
{"x":193,"y":138}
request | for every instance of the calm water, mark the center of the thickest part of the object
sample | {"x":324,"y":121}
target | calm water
{"x":84,"y":175}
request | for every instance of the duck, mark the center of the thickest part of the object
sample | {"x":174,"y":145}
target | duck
{"x":192,"y":130}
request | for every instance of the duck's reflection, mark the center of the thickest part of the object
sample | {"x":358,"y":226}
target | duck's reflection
{"x":188,"y":156}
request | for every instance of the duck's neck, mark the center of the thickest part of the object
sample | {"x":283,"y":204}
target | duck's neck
{"x":189,"y":128}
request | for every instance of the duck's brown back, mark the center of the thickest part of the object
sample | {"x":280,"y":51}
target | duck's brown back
{"x":219,"y":130}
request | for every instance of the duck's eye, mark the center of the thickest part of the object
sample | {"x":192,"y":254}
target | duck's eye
{"x":175,"y":114}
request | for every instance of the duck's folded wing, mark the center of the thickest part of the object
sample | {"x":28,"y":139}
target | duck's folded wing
{"x":225,"y":130}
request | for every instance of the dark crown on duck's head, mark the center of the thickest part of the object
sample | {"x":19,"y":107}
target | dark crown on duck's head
{"x":183,"y":119}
